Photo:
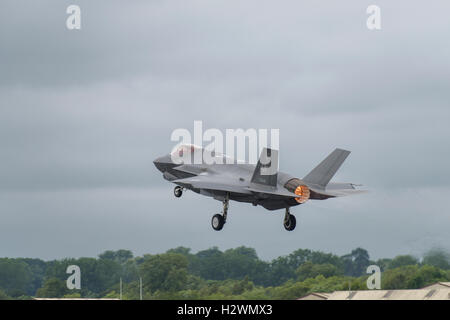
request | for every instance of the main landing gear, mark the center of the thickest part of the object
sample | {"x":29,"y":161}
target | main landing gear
{"x":218,"y":220}
{"x":178,"y":191}
{"x":289,"y":221}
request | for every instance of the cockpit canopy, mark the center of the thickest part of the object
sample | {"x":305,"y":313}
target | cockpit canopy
{"x":183,"y":150}
{"x":193,"y":154}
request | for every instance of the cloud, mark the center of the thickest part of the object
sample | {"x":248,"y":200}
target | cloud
{"x":84,"y":113}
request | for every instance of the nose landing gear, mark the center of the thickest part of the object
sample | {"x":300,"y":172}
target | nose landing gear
{"x":178,"y":191}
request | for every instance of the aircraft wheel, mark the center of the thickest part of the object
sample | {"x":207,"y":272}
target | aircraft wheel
{"x":178,"y":191}
{"x":217,"y":222}
{"x":290,"y":223}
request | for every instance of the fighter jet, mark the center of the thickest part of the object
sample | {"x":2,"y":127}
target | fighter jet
{"x":230,"y":180}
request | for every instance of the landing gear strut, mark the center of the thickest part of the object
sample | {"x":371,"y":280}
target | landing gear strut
{"x":178,"y":191}
{"x":289,"y":221}
{"x":218,"y":220}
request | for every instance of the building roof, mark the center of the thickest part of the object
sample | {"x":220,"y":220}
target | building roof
{"x":417,"y":294}
{"x":438,"y":285}
{"x":436,"y":291}
{"x":316,"y":296}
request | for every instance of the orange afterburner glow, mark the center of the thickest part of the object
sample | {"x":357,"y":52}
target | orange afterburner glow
{"x":303,"y":192}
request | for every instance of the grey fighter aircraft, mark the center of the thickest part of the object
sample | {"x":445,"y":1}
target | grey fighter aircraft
{"x":249,"y":183}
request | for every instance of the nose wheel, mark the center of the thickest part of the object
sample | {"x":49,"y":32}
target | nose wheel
{"x":218,"y":220}
{"x":289,"y":221}
{"x":178,"y":191}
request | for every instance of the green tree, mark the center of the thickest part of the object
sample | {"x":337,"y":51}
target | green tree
{"x":53,"y":288}
{"x":4,"y":296}
{"x":97,"y":275}
{"x":37,"y":269}
{"x":301,"y":256}
{"x":120,"y":256}
{"x":281,"y":269}
{"x":311,"y":270}
{"x":241,"y":286}
{"x":403,"y":260}
{"x":209,"y":264}
{"x":427,"y":275}
{"x":181,"y":250}
{"x":15,"y":276}
{"x":165,"y":272}
{"x":438,"y":258}
{"x":383,"y":263}
{"x":355,"y":263}
{"x":290,"y":290}
{"x":243,"y":262}
{"x":398,"y":278}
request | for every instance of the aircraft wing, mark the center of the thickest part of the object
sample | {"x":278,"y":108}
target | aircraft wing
{"x":190,"y":169}
{"x":217,"y":182}
{"x":210,"y":183}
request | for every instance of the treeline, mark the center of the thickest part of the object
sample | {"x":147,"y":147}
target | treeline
{"x":214,"y":274}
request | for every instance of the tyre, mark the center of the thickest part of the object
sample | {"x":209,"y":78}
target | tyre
{"x":178,"y":191}
{"x":290,"y":224}
{"x":217,"y":222}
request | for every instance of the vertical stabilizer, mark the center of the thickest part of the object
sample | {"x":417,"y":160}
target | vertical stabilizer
{"x":323,"y":173}
{"x":266,"y":171}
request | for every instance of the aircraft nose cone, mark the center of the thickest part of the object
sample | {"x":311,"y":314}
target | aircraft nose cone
{"x":162,"y":163}
{"x":158,"y":163}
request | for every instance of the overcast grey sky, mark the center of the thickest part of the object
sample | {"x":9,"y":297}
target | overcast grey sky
{"x":83,"y":113}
